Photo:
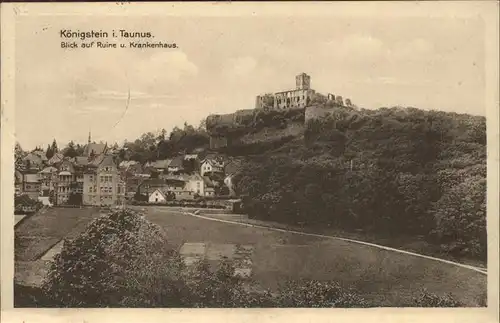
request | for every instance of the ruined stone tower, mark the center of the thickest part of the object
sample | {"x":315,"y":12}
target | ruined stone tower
{"x":303,"y":81}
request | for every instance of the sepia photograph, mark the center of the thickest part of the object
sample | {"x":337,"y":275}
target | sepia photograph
{"x":230,"y":160}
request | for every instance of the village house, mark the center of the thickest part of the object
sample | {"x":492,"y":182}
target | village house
{"x":209,"y":186}
{"x":47,"y":178}
{"x":161,"y":166}
{"x":31,"y":185}
{"x":64,"y":182}
{"x":80,"y":165}
{"x":33,"y":161}
{"x":148,"y":186}
{"x":176,"y":165}
{"x":211,"y":165}
{"x":195,"y":184}
{"x":55,"y":160}
{"x":157,"y":197}
{"x":135,"y":169}
{"x":41,"y":154}
{"x":177,"y":186}
{"x":102,"y":185}
{"x":181,"y":193}
{"x":132,"y":184}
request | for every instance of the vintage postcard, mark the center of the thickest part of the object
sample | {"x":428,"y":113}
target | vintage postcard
{"x":287,"y":161}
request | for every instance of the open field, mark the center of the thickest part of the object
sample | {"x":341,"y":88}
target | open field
{"x":411,"y":244}
{"x":384,"y":277}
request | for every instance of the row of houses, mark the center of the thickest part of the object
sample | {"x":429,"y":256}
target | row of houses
{"x":99,"y":178}
{"x":186,"y":177}
{"x":91,"y":179}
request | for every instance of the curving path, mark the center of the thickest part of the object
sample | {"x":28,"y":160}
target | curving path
{"x":477,"y":269}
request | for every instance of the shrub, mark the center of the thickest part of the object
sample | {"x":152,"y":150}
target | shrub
{"x":427,"y":299}
{"x":90,"y":271}
{"x":313,"y":293}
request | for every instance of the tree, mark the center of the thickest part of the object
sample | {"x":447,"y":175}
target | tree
{"x":70,"y":150}
{"x":461,"y":217}
{"x":170,"y":196}
{"x":162,"y":135}
{"x":54,"y":147}
{"x":202,"y":127}
{"x":49,"y":152}
{"x":189,"y":165}
{"x":79,"y":149}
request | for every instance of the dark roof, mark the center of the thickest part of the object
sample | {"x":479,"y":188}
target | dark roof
{"x":56,"y":158}
{"x":69,"y":165}
{"x":33,"y":158}
{"x":177,"y":162}
{"x":156,"y":182}
{"x":81,"y":161}
{"x":97,"y":149}
{"x":48,"y":170}
{"x":40,"y":153}
{"x":107,"y":160}
{"x":162,"y":163}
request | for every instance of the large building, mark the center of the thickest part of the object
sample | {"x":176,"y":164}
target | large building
{"x":102,"y":185}
{"x":65,"y":182}
{"x":291,"y":99}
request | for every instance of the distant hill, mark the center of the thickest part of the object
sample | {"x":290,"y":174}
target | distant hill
{"x":396,"y":171}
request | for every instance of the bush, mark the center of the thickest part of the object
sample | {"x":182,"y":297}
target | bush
{"x":25,"y":204}
{"x":91,"y":270}
{"x":427,"y":299}
{"x":313,"y":293}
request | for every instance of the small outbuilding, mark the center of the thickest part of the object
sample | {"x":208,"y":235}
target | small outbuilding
{"x":157,"y":197}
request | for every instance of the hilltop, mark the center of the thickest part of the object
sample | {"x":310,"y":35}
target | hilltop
{"x":398,"y":171}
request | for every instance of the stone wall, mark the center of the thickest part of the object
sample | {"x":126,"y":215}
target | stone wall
{"x":228,"y":119}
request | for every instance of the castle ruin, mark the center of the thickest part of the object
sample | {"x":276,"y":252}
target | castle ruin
{"x":292,"y":99}
{"x":298,"y":98}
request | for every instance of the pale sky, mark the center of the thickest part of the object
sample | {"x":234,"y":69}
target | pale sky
{"x":222,"y":63}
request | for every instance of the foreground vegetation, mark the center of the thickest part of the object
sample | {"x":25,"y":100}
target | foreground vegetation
{"x":123,"y":260}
